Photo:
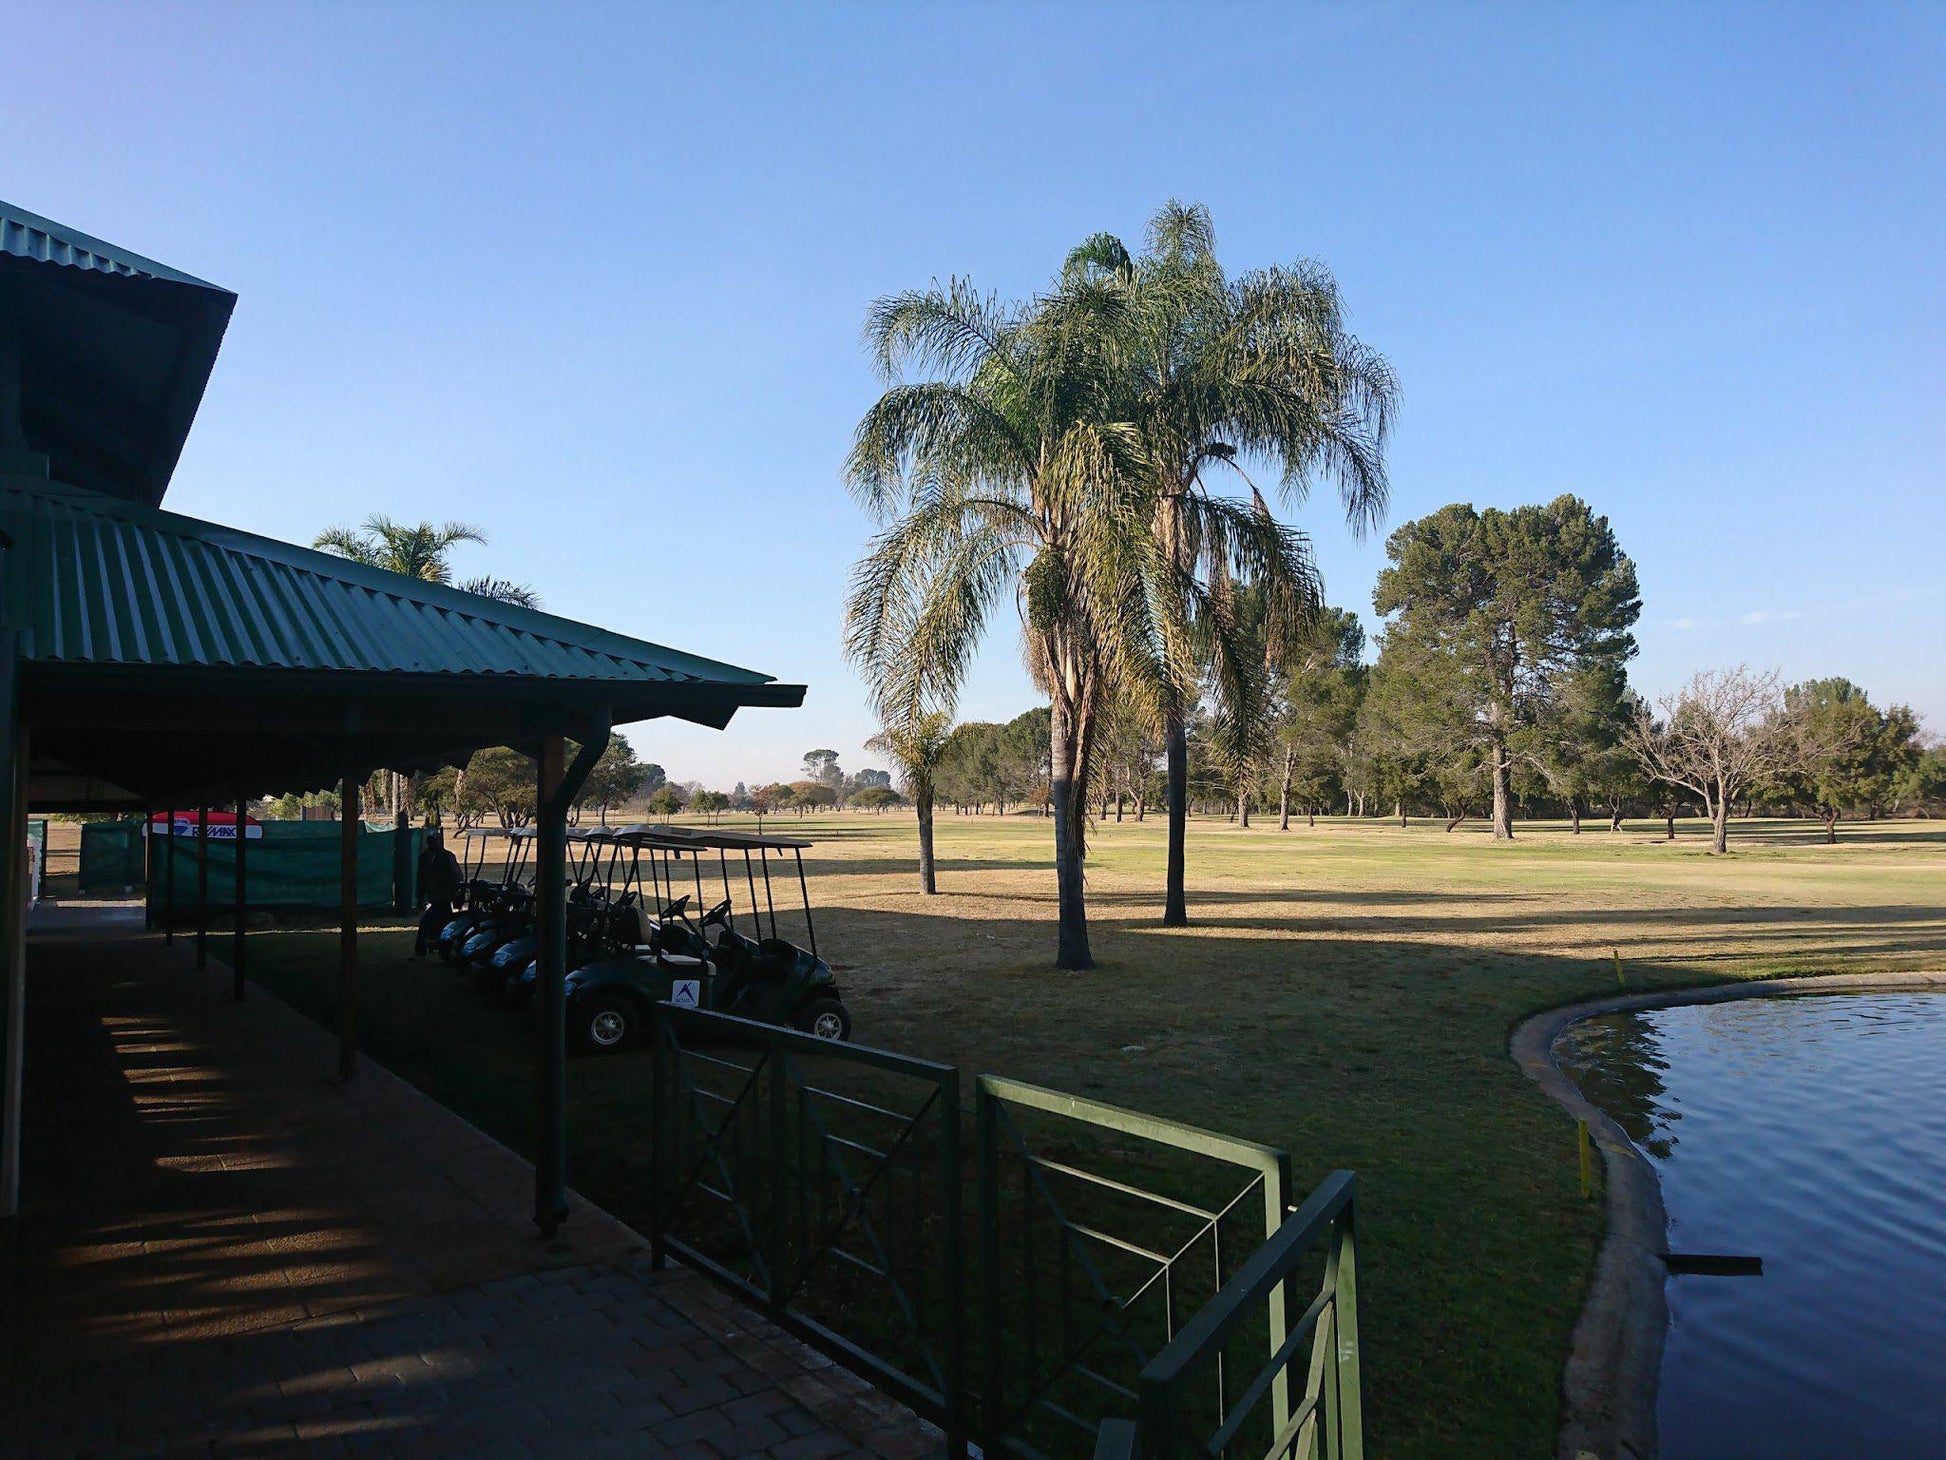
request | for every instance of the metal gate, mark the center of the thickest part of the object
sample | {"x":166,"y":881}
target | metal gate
{"x":1120,"y":1271}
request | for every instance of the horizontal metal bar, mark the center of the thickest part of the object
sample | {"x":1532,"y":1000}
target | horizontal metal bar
{"x":1158,"y":1258}
{"x":850,"y":1145}
{"x":1122,"y":1186}
{"x":857,"y":1104}
{"x":717,"y":1060}
{"x":1133,"y":1122}
{"x":772,"y":1036}
{"x":1253,"y":1283}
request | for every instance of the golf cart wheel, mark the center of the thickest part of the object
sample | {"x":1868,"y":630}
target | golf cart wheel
{"x":606,"y":1023}
{"x":825,"y":1018}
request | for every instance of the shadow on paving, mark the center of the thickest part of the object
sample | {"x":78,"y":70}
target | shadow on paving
{"x":223,"y":1251}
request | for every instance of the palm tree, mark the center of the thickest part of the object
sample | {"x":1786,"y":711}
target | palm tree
{"x":999,"y":476}
{"x":917,"y":746}
{"x":1219,"y":373}
{"x":420,"y":550}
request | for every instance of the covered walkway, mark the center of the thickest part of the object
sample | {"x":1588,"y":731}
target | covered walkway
{"x":223,"y":1250}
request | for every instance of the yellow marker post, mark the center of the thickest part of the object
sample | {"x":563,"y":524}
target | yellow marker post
{"x":1587,"y":1159}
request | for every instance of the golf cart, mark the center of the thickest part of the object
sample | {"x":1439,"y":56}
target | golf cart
{"x":478,"y":893}
{"x":674,"y":959}
{"x":600,"y":913}
{"x":507,"y":912}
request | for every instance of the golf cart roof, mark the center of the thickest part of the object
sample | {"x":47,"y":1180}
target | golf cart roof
{"x":683,"y":838}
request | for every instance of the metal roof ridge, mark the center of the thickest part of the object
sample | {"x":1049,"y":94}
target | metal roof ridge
{"x":567,"y":632}
{"x":87,"y":243}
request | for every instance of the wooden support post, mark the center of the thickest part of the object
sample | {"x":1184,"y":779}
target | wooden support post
{"x":550,"y":993}
{"x":557,"y":786}
{"x":238,"y":936}
{"x":13,"y":917}
{"x":169,"y":881}
{"x":202,"y":886}
{"x":348,"y":927}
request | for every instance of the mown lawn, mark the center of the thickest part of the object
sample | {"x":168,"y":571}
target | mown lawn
{"x":1346,"y":993}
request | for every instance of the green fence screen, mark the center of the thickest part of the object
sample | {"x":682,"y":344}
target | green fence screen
{"x":293,"y":865}
{"x":111,"y":856}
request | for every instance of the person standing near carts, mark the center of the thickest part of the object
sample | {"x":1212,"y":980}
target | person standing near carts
{"x":439,"y":881}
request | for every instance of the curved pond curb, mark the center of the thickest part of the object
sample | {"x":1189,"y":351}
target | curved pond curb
{"x":1615,"y":1357}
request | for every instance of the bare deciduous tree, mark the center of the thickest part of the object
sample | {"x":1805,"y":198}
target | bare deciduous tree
{"x":1721,"y":733}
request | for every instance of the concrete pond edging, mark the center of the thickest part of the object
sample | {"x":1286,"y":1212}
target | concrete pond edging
{"x":1615,"y":1356}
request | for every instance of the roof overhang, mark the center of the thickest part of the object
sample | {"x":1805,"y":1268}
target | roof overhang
{"x":114,"y":353}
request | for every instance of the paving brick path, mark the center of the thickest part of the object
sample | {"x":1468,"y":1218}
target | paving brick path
{"x":226,"y":1253}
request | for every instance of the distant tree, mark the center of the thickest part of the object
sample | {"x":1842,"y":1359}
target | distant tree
{"x":1854,"y":754}
{"x":1500,"y":611}
{"x":1412,"y":747}
{"x":437,"y":793}
{"x":653,"y":777}
{"x":1921,"y":788}
{"x":615,"y":779}
{"x":1023,"y":757}
{"x":710,"y":803}
{"x":969,"y":773}
{"x":293,"y":805}
{"x":811,"y":796}
{"x":822,"y":766}
{"x":1317,"y":692}
{"x":740,"y":798}
{"x":667,"y":800}
{"x":866,"y":780}
{"x":501,"y":781}
{"x":1721,"y":734}
{"x":917,"y":746}
{"x":1583,"y":757}
{"x":876,"y":799}
{"x":767,"y":799}
{"x":1130,"y":750}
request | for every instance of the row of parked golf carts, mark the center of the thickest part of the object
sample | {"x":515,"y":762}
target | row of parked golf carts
{"x":655,"y":914}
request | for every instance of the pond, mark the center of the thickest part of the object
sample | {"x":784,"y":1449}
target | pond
{"x":1811,"y":1133}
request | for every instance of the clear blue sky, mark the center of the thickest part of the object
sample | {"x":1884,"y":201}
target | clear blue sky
{"x":593,"y":277}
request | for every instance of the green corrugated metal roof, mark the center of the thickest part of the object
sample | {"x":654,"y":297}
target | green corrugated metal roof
{"x":100,"y":581}
{"x":29,"y":236}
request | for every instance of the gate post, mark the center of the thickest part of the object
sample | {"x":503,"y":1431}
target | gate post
{"x":950,"y":1198}
{"x":986,"y":1135}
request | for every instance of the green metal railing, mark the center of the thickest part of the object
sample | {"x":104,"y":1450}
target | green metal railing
{"x":1085,"y":1276}
{"x":817,"y":1202}
{"x":827,"y":1184}
{"x":1326,"y":1421}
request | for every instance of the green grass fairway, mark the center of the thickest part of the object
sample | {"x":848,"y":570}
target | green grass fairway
{"x":1346,"y":992}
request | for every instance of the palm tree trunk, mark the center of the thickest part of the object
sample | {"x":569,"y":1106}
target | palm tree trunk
{"x":1284,"y":796}
{"x":1064,"y":743}
{"x":1243,"y":809}
{"x":922,"y":800}
{"x":1175,"y":736}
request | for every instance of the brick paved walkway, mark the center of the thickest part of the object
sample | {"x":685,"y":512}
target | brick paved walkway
{"x":224,"y":1252}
